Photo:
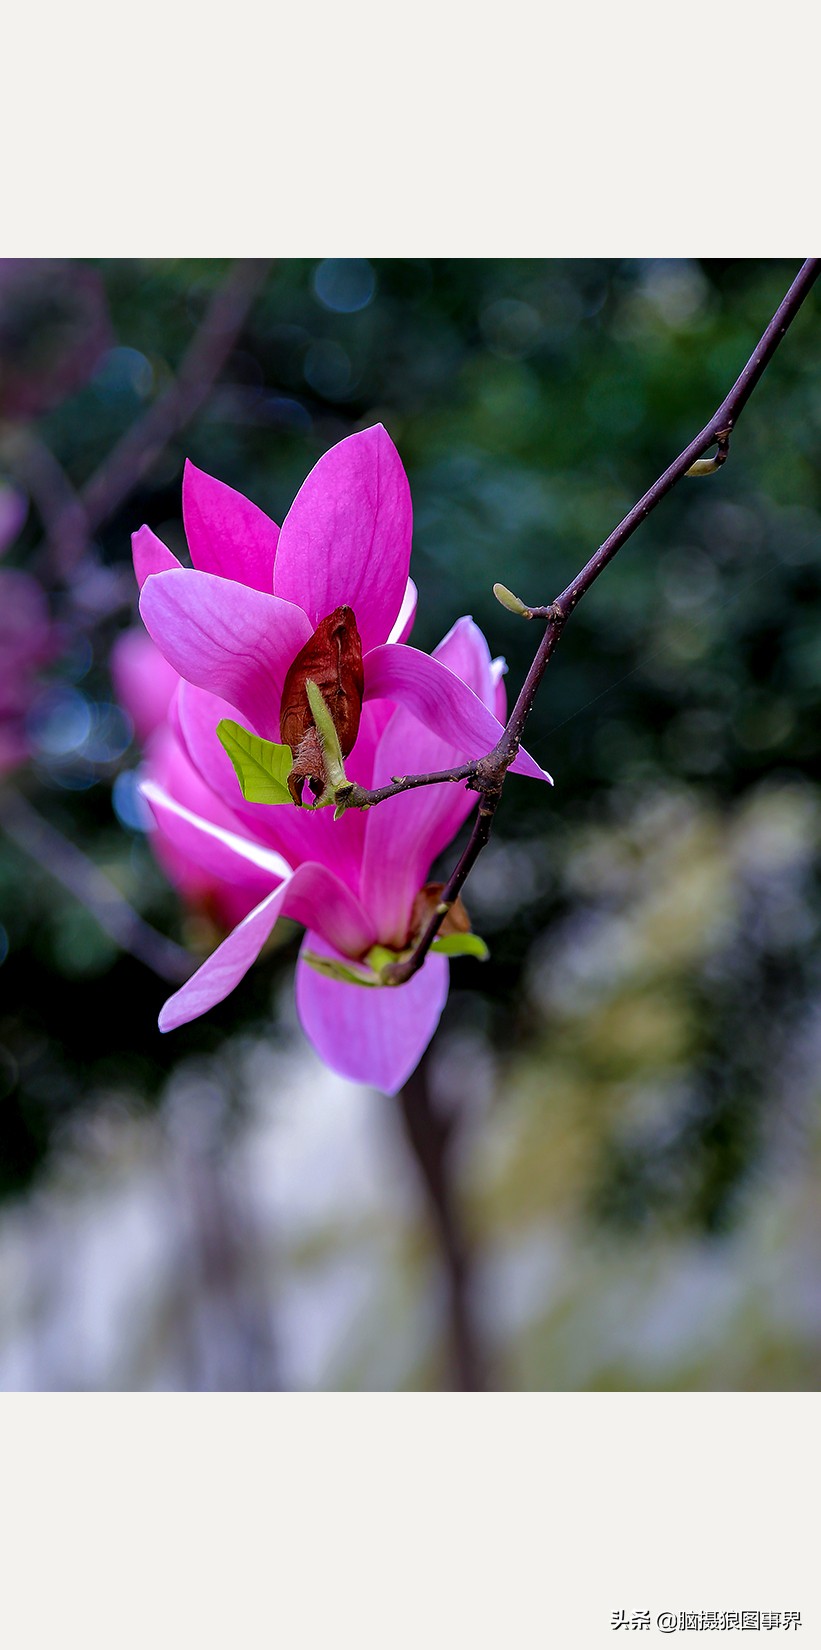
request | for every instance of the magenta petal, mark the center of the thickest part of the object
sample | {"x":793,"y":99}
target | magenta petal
{"x":226,"y":533}
{"x":347,"y":537}
{"x":441,"y":701}
{"x":375,"y":1036}
{"x":297,"y":833}
{"x":219,"y":635}
{"x":194,"y":714}
{"x":150,"y":555}
{"x":404,"y":835}
{"x":226,"y":966}
{"x":144,"y":681}
{"x":318,"y":900}
{"x":499,"y":707}
{"x":229,"y":887}
{"x":407,"y":614}
{"x":465,"y":652}
{"x":316,"y":896}
{"x":211,"y":843}
{"x":312,"y":895}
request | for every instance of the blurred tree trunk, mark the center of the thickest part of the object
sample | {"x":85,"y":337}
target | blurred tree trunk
{"x":432,"y":1137}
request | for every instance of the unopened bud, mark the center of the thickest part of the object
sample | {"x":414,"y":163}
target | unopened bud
{"x":321,"y":730}
{"x":511,"y":602}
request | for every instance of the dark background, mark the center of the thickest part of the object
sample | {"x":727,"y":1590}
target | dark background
{"x":634,"y":1073}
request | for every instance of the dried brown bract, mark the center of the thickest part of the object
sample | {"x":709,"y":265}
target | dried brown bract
{"x":333,"y":659}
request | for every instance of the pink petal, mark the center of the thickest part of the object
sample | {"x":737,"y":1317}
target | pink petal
{"x":465,"y":652}
{"x":296,"y":832}
{"x":150,"y":555}
{"x":441,"y":701}
{"x":404,"y":835}
{"x":407,"y":614}
{"x":347,"y":537}
{"x":224,"y":853}
{"x":499,"y":671}
{"x":169,"y":766}
{"x":375,"y":1036}
{"x":316,"y":896}
{"x":320,"y":901}
{"x":313,"y":895}
{"x":229,"y":889}
{"x":226,"y":966}
{"x":236,"y":642}
{"x":226,"y":533}
{"x":144,"y":681}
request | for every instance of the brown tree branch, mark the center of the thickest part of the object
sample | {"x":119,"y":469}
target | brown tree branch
{"x":212,"y":343}
{"x":488,"y":775}
{"x":57,"y":502}
{"x":69,"y":516}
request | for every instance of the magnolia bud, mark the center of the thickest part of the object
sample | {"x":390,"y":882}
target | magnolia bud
{"x":332,"y":658}
{"x":511,"y":602}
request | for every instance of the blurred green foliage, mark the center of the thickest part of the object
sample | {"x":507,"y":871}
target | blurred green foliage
{"x":653,"y":922}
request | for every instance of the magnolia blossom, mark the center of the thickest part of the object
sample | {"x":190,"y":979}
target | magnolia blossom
{"x":232,"y":627}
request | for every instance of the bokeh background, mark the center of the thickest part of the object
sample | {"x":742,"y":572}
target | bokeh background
{"x":606,"y":1173}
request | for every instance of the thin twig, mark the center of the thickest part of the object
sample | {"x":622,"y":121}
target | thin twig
{"x":491,"y":770}
{"x":209,"y":348}
{"x":71,"y":517}
{"x":357,"y":796}
{"x":58,"y":504}
{"x":78,"y":874}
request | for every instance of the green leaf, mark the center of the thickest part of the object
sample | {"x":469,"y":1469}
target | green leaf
{"x":261,"y":767}
{"x":328,"y":736}
{"x":461,"y":945}
{"x":334,"y":970}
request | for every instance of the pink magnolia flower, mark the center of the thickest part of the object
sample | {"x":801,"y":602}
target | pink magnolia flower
{"x":232,"y":626}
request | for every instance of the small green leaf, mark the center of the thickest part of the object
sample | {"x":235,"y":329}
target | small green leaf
{"x":329,"y":738}
{"x":334,"y":970}
{"x":461,"y":945}
{"x":261,"y":767}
